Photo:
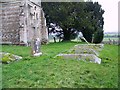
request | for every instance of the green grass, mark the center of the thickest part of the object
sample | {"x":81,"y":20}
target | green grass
{"x":47,"y":72}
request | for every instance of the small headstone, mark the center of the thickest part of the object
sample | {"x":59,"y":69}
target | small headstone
{"x":36,"y":47}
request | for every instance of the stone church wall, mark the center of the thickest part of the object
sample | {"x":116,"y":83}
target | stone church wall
{"x":10,"y":22}
{"x":22,"y":21}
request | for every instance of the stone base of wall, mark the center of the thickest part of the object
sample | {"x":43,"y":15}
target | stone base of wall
{"x":10,"y":43}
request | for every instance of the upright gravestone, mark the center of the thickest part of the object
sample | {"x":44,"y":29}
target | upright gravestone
{"x":36,"y":47}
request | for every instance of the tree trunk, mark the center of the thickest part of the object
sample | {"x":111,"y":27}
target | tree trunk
{"x":54,"y":39}
{"x":66,"y":35}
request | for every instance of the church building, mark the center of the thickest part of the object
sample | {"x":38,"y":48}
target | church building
{"x":22,"y":21}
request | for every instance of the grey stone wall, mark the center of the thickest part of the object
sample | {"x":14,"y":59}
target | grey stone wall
{"x":22,"y":21}
{"x":10,"y":22}
{"x":44,"y":30}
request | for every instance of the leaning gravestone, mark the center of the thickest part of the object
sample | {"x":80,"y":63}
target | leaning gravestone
{"x":36,"y":47}
{"x":80,"y":36}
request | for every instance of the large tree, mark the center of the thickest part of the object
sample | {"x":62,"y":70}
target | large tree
{"x":95,"y":28}
{"x":72,"y":16}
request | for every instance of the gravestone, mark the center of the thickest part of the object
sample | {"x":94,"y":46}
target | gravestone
{"x":81,"y":50}
{"x":8,"y":57}
{"x":88,"y":48}
{"x":84,"y":57}
{"x":80,"y":36}
{"x":36,"y":47}
{"x":85,"y":52}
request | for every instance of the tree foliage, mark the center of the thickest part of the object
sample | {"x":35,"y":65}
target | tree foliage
{"x":75,"y":16}
{"x":96,"y":20}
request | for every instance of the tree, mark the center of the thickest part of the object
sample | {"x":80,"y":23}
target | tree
{"x":74,"y":16}
{"x":97,"y":22}
{"x":62,"y":14}
{"x":98,"y":36}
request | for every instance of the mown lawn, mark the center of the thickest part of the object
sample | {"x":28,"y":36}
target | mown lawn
{"x":47,"y":72}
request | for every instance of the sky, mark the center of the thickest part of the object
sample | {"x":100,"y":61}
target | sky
{"x":110,"y":15}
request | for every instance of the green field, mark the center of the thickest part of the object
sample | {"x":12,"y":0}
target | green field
{"x":113,"y":38}
{"x":47,"y":72}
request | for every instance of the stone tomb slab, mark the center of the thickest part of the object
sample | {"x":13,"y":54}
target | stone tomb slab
{"x":85,"y":57}
{"x":96,"y":47}
{"x":87,"y":49}
{"x":85,"y":52}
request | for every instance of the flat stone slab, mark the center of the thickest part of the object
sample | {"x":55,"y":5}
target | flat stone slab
{"x":81,"y":50}
{"x":85,"y":52}
{"x":8,"y":57}
{"x":87,"y":49}
{"x":84,"y":57}
{"x":96,"y":47}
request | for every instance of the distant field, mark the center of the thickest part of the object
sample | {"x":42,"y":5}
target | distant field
{"x":111,"y":38}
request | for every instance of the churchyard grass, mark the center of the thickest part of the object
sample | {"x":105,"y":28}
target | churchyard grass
{"x":48,"y":72}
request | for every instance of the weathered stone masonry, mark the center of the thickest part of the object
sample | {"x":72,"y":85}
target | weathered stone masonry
{"x":22,"y":21}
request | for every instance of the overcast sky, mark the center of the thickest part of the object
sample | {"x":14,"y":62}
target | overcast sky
{"x":110,"y":15}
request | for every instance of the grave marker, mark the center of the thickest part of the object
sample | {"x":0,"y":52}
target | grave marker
{"x":36,"y":47}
